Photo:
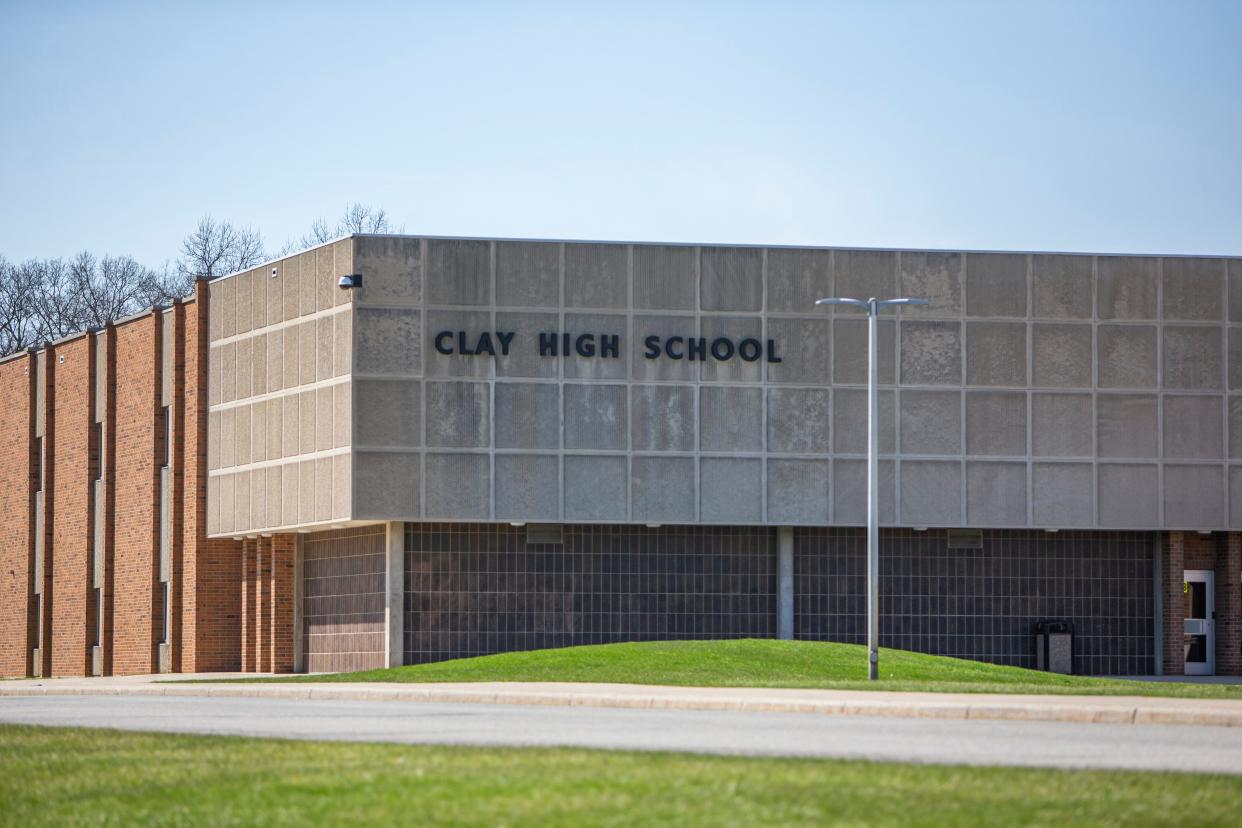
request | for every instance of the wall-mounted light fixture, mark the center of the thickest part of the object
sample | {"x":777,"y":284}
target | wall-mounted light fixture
{"x":350,"y":281}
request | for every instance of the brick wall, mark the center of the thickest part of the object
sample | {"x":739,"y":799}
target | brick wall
{"x":263,"y":604}
{"x":1199,"y":550}
{"x":1229,"y":605}
{"x":477,"y":589}
{"x":211,"y":568}
{"x":136,"y":534}
{"x":204,"y":575}
{"x":249,"y":614}
{"x":343,"y":603}
{"x":73,"y":529}
{"x":16,"y":515}
{"x":283,"y":553}
{"x":267,"y":590}
{"x":1173,"y":569}
{"x":982,"y":604}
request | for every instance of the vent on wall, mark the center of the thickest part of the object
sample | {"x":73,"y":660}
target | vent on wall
{"x":965,"y":538}
{"x":543,"y":533}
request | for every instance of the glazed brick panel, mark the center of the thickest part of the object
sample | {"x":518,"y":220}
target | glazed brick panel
{"x":136,"y":551}
{"x":343,"y":599}
{"x":73,"y":528}
{"x":981,"y":604}
{"x":16,"y":517}
{"x":477,"y":589}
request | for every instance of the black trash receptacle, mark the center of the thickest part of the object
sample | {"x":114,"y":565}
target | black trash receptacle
{"x":1054,"y":646}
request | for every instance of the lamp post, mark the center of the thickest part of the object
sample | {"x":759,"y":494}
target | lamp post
{"x":872,"y":307}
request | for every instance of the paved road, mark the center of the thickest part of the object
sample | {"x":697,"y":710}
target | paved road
{"x":1144,"y":747}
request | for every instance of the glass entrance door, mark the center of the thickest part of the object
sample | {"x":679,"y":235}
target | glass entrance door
{"x":1200,"y":625}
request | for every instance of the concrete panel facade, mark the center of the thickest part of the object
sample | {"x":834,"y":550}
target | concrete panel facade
{"x":284,"y":341}
{"x":1037,"y":390}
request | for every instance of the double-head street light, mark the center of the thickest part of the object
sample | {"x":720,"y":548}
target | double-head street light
{"x":872,"y":307}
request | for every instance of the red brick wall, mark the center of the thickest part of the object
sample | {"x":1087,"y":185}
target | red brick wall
{"x":284,"y":550}
{"x":1221,"y":554}
{"x":250,"y":585}
{"x":16,"y":515}
{"x":211,"y":569}
{"x":1172,"y":572}
{"x":263,"y":605}
{"x":1200,"y":550}
{"x":72,"y":529}
{"x":205,"y":575}
{"x":136,"y":554}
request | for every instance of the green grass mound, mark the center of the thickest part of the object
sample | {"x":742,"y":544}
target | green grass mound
{"x":762,"y":663}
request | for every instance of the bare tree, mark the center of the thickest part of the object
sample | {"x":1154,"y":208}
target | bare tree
{"x":357,"y":218}
{"x":19,"y":329}
{"x":216,"y":249}
{"x":54,"y":301}
{"x":111,"y":287}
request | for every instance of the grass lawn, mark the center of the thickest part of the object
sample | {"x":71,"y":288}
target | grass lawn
{"x":70,"y":777}
{"x":765,"y":663}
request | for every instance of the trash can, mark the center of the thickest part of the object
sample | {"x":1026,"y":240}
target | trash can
{"x":1054,"y":646}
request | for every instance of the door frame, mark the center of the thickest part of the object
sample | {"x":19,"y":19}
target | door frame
{"x":1208,"y":578}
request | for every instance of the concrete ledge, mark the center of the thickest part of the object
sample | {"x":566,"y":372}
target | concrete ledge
{"x":1081,"y":709}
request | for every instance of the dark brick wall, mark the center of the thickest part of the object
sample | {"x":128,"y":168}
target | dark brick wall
{"x":1229,"y":605}
{"x":980,"y":604}
{"x":477,"y":589}
{"x":343,"y":599}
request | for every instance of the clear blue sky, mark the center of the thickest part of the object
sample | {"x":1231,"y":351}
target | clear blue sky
{"x":1095,"y":126}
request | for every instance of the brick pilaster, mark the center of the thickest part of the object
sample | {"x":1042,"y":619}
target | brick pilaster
{"x":249,"y":615}
{"x":283,"y":551}
{"x":263,"y":605}
{"x":1229,"y":605}
{"x":1174,"y":603}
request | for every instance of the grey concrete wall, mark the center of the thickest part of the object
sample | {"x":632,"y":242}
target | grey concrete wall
{"x":1037,"y":390}
{"x":279,"y":392}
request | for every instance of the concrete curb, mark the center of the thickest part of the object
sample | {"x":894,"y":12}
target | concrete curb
{"x":1077,"y":709}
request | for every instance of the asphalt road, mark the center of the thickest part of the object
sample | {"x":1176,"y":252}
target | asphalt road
{"x":1040,"y":744}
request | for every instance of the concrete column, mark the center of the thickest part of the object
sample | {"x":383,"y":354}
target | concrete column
{"x":394,"y":594}
{"x":784,"y":584}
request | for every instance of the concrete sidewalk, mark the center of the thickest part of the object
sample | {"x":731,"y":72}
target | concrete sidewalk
{"x":964,"y":706}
